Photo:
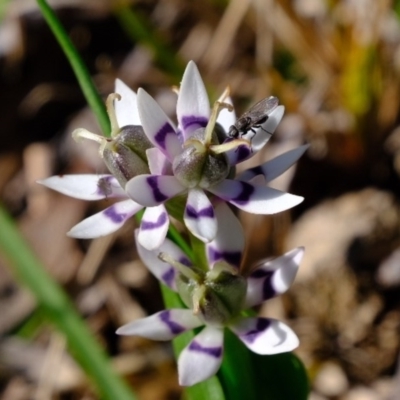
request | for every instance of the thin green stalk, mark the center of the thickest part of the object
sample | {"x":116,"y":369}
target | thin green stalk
{"x":60,"y":311}
{"x":85,"y":81}
{"x":176,"y":237}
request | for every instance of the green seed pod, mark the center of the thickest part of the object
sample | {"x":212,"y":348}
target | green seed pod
{"x":125,"y":156}
{"x":198,"y":166}
{"x":217,"y":296}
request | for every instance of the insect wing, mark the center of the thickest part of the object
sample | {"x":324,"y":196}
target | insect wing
{"x":263,"y":108}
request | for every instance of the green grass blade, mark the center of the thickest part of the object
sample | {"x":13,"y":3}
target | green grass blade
{"x":60,"y":311}
{"x":85,"y":81}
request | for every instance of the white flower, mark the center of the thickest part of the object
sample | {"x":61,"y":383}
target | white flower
{"x":203,"y":356}
{"x":195,"y":158}
{"x":125,"y":155}
{"x":145,"y":176}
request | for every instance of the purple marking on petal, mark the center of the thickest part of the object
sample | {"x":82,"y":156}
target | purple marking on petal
{"x":162,"y":134}
{"x":242,"y":153}
{"x":255,"y":171}
{"x":211,"y":351}
{"x":185,"y":261}
{"x":268,"y":289}
{"x":194,"y":120}
{"x":179,"y":133}
{"x":232,"y":257}
{"x":207,"y":212}
{"x":244,"y":196}
{"x":153,"y":183}
{"x":261,"y":273}
{"x":251,"y":336}
{"x":147,"y":225}
{"x":174,"y":327}
{"x":169,"y":277}
{"x":114,"y":215}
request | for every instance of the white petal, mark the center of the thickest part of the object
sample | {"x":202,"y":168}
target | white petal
{"x":273,"y":277}
{"x":157,"y":126}
{"x":229,"y":242}
{"x":265,"y":335}
{"x":193,"y":108}
{"x":199,"y":216}
{"x":265,"y":132}
{"x":85,"y":187}
{"x":126,"y":109}
{"x":106,"y":221}
{"x":226,"y":118}
{"x":275,"y":167}
{"x":202,"y":358}
{"x":160,"y":269}
{"x":158,"y":163}
{"x":255,"y":199}
{"x":152,"y":190}
{"x":258,"y":180}
{"x":164,"y":325}
{"x":154,"y":227}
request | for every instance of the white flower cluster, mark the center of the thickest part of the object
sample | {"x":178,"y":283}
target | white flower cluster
{"x":152,"y":161}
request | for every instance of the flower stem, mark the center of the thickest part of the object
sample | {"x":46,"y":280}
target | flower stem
{"x":60,"y":311}
{"x":85,"y":81}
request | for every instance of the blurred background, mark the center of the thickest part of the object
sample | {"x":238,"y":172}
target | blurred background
{"x":334,"y":65}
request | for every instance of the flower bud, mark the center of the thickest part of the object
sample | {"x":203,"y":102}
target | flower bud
{"x":125,"y":156}
{"x":217,"y":298}
{"x":197,"y":166}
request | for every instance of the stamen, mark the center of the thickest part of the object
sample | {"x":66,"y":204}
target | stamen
{"x":198,"y":294}
{"x":196,"y":144}
{"x":218,"y":106}
{"x":221,"y":266}
{"x":226,"y":93}
{"x":111,"y":113}
{"x":79,"y":134}
{"x":233,"y":144}
{"x":182,"y":268}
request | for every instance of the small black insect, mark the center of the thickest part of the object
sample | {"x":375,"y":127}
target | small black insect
{"x":104,"y":186}
{"x":254,"y":118}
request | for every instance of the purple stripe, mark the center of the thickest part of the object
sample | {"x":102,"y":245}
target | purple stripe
{"x":210,"y":351}
{"x":169,"y":277}
{"x":174,"y":327}
{"x":268,"y":289}
{"x":244,"y":196}
{"x":261,"y":273}
{"x":255,"y":171}
{"x":185,"y":261}
{"x":232,"y":257}
{"x":242,"y":153}
{"x":160,"y":136}
{"x":194,"y":120}
{"x":115,"y":217}
{"x":157,"y":194}
{"x":191,"y":212}
{"x":148,"y":225}
{"x":251,"y":336}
